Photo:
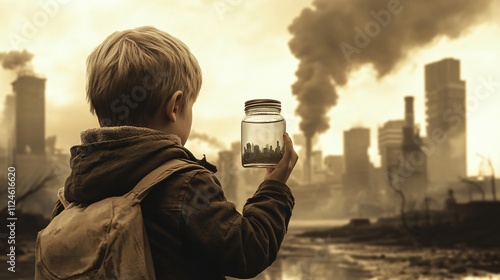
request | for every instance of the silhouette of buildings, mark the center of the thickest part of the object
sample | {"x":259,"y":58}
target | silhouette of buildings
{"x":446,"y":122}
{"x":254,"y":154}
{"x":29,"y":92}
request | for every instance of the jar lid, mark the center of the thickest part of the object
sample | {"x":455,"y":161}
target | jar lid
{"x":262,"y":103}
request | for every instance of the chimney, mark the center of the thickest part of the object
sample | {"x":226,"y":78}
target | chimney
{"x":307,"y":167}
{"x":409,"y":115}
{"x":409,"y":126}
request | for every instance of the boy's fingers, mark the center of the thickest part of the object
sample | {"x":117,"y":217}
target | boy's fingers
{"x":292,"y":156}
{"x":288,"y":147}
{"x":287,"y":162}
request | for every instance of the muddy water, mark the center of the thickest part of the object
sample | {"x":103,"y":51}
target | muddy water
{"x":320,"y":258}
{"x":312,"y":259}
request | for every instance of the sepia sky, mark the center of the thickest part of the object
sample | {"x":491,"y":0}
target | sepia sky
{"x":242,"y":47}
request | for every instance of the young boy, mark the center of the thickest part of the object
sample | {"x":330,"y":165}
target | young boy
{"x":142,"y":84}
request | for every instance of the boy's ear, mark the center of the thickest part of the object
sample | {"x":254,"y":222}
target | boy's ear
{"x":173,"y":106}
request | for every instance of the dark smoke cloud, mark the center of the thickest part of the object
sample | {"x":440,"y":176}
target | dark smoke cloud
{"x":319,"y":32}
{"x":14,"y":60}
{"x":207,"y":139}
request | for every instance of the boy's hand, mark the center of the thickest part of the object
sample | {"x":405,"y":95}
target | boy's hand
{"x":286,"y":164}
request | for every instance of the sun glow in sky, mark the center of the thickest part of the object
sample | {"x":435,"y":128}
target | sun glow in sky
{"x":244,"y":54}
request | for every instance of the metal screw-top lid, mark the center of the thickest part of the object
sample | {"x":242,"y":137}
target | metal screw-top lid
{"x":262,"y":103}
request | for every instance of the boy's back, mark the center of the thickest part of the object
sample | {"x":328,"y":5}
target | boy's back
{"x":194,"y":233}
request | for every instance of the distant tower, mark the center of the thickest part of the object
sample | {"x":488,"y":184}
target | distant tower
{"x":307,"y":161}
{"x":357,"y":162}
{"x":445,"y":108}
{"x":409,"y":132}
{"x":29,"y":92}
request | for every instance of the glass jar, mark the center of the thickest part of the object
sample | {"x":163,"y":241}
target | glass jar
{"x":262,"y":131}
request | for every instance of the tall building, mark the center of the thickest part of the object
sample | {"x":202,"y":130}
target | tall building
{"x":29,"y":91}
{"x":390,"y":141}
{"x":445,"y":109}
{"x":356,"y":160}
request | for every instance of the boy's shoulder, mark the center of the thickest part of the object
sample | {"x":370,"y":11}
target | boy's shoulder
{"x":192,"y":163}
{"x":193,"y":180}
{"x":184,"y":168}
{"x":189,"y":171}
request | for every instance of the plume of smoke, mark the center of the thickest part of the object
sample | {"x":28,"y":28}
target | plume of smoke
{"x":208,"y":139}
{"x":15,"y":60}
{"x":319,"y":32}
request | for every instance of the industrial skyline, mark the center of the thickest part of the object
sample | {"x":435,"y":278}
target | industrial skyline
{"x":353,"y":173}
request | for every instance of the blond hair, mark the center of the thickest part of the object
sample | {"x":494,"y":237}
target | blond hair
{"x":134,"y":72}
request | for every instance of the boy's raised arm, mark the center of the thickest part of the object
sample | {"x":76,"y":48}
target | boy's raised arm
{"x":240,"y":245}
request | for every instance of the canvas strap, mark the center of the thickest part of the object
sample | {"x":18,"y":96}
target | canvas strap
{"x":154,"y":177}
{"x":157,"y":175}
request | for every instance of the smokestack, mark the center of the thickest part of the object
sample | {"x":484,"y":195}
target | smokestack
{"x":409,"y":127}
{"x":307,"y":165}
{"x":334,"y":38}
{"x":409,"y":115}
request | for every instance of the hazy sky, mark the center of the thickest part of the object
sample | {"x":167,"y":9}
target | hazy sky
{"x":244,"y":54}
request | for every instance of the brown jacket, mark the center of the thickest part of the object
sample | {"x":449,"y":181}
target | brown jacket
{"x":194,"y":233}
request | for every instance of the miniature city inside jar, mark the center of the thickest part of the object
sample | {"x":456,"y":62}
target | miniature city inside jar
{"x":262,"y":131}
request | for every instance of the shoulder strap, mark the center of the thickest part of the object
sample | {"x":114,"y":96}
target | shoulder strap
{"x":144,"y":186}
{"x":157,"y":175}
